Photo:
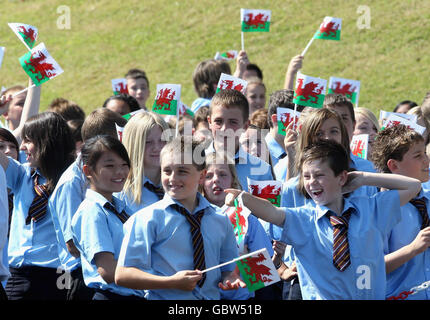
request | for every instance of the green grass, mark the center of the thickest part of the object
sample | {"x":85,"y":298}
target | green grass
{"x":169,"y":38}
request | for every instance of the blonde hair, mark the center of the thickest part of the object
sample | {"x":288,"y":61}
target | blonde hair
{"x":134,"y":140}
{"x":420,"y":116}
{"x":369,"y":115}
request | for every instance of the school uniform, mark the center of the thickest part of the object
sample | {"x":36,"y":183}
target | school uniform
{"x":200,"y":102}
{"x":33,"y":249}
{"x":276,"y":151}
{"x":96,"y":229}
{"x":248,"y":165}
{"x":158,"y":240}
{"x":255,"y":239}
{"x":148,"y":197}
{"x":417,"y":270}
{"x":309,"y":231}
{"x":4,"y":217}
{"x":64,"y":201}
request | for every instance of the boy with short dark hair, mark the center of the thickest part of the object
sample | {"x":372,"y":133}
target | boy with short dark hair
{"x":228,"y":119}
{"x":400,"y":150}
{"x":138,"y":86}
{"x":339,"y":242}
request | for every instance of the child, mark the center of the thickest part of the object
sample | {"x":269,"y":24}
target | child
{"x":33,"y":254}
{"x":221,"y":176}
{"x":400,"y":150}
{"x":4,"y":268}
{"x":142,"y":138}
{"x":138,"y":86}
{"x":14,"y":107}
{"x":366,"y":123}
{"x":252,"y":142}
{"x":252,"y":70}
{"x":205,"y":78}
{"x":68,"y":195}
{"x":255,"y":94}
{"x":294,"y":66}
{"x":355,"y":270}
{"x":201,"y":130}
{"x":121,"y":103}
{"x":259,"y":119}
{"x":157,"y":251}
{"x":97,"y":225}
{"x":69,"y":110}
{"x":228,"y":119}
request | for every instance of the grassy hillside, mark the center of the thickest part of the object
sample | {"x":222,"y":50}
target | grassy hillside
{"x":168,"y":38}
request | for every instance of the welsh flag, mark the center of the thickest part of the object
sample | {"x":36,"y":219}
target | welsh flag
{"x":119,"y":131}
{"x":167,"y":99}
{"x":26,"y":33}
{"x":238,"y":216}
{"x":184,"y":109}
{"x":227,"y":81}
{"x":119,"y":86}
{"x":128,"y":116}
{"x":255,"y":20}
{"x":394,"y":120}
{"x":285,"y":116}
{"x":310,"y":91}
{"x":329,"y":29}
{"x":347,"y":87}
{"x":39,"y":65}
{"x":257,"y":270}
{"x":266,"y":189}
{"x":360,"y":145}
{"x":228,"y":55}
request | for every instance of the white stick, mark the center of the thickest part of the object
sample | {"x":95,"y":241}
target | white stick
{"x":307,"y":47}
{"x":243,"y":41}
{"x":23,"y":90}
{"x":294,"y":119}
{"x":234,"y":260}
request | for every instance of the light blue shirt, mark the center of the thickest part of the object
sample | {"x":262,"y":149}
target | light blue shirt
{"x":147,"y":198}
{"x":4,"y":218}
{"x":255,"y":239}
{"x":96,"y":229}
{"x":417,"y":270}
{"x":33,"y":244}
{"x":158,"y":240}
{"x":309,"y":231}
{"x":275,"y":149}
{"x":64,"y":201}
{"x":200,"y":102}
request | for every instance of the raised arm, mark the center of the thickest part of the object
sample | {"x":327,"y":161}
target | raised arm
{"x":294,"y":66}
{"x":241,"y":63}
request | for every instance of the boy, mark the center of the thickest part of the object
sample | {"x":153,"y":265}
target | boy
{"x":228,"y":119}
{"x":168,"y":244}
{"x":138,"y":86}
{"x":339,"y":242}
{"x":400,"y":150}
{"x":345,"y":109}
{"x":68,"y":195}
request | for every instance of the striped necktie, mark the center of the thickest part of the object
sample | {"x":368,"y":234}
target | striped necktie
{"x":37,"y":210}
{"x":197,"y":239}
{"x":341,"y":254}
{"x":123,"y":216}
{"x":158,"y":191}
{"x":420,"y":204}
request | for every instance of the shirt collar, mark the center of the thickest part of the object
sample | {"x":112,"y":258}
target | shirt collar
{"x":323,"y":210}
{"x":167,"y":201}
{"x":99,"y":199}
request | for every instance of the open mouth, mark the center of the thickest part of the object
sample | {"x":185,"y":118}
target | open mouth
{"x":317,"y":192}
{"x":217,"y":190}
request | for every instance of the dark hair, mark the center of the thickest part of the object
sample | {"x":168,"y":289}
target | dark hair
{"x":6,"y":135}
{"x":126,"y":98}
{"x":101,"y":121}
{"x":229,"y":98}
{"x":280,"y":99}
{"x":69,"y":110}
{"x":136,"y":74}
{"x":409,"y":103}
{"x":328,"y":151}
{"x":201,"y":115}
{"x":206,"y":76}
{"x":75,"y":127}
{"x":393,"y":143}
{"x":334,"y":100}
{"x":54,"y":145}
{"x":94,"y":147}
{"x":254,"y":67}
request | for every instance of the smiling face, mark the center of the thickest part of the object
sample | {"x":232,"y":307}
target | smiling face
{"x":218,"y":178}
{"x":330,"y":130}
{"x":108,"y":175}
{"x":180,"y":181}
{"x":30,"y":150}
{"x":322,"y":185}
{"x":153,"y":146}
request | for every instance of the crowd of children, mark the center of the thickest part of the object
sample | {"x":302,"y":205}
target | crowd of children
{"x":86,"y":214}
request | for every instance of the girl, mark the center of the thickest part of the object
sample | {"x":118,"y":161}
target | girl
{"x":97,"y":225}
{"x":143,"y":142}
{"x":122,"y":104}
{"x":33,"y":252}
{"x":218,"y":178}
{"x":366,"y":123}
{"x":255,"y":94}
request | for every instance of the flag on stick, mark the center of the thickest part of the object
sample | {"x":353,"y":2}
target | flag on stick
{"x":119,"y":86}
{"x":26,"y":33}
{"x":39,"y":65}
{"x":360,"y":145}
{"x":329,"y":29}
{"x":167,"y":99}
{"x":346,"y":87}
{"x":227,"y":81}
{"x":266,"y":189}
{"x":238,"y":216}
{"x":310,"y":91}
{"x":255,"y":20}
{"x":119,"y":131}
{"x":285,"y":116}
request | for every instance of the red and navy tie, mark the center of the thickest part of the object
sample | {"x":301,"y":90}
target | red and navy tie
{"x":420,"y":204}
{"x":123,"y":216}
{"x":197,"y":239}
{"x":158,"y":191}
{"x":341,"y":254}
{"x":37,"y":210}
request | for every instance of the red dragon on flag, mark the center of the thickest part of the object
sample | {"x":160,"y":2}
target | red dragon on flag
{"x":228,"y":84}
{"x":238,"y":221}
{"x":29,"y":33}
{"x":358,"y":149}
{"x":164,"y":98}
{"x":121,"y":88}
{"x":255,"y":21}
{"x":269,"y":192}
{"x":257,"y":272}
{"x":309,"y":92}
{"x":345,"y":90}
{"x":39,"y":66}
{"x":329,"y":29}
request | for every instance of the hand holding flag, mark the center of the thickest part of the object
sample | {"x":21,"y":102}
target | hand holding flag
{"x":328,"y":30}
